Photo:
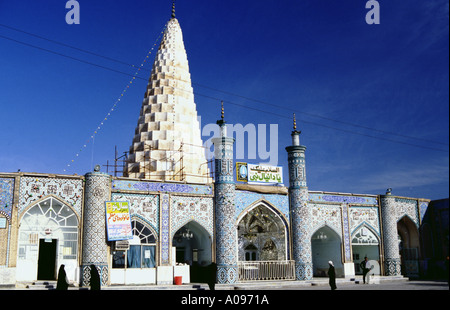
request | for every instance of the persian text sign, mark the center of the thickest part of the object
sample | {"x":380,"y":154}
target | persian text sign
{"x":118,"y":223}
{"x":262,"y":174}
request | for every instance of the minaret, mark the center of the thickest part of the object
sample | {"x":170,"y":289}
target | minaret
{"x":298,"y":207}
{"x":167,"y":144}
{"x":224,"y":197}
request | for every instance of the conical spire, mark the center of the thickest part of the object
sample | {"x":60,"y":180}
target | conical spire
{"x":167,"y":144}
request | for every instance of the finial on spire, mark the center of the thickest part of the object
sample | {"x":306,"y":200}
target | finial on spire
{"x":221,"y":121}
{"x":295,"y":124}
{"x":173,"y":8}
{"x":295,"y":134}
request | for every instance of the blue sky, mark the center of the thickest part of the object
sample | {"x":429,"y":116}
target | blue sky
{"x":372,"y":101}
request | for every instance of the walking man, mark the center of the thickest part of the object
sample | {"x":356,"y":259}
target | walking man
{"x":365,"y":266}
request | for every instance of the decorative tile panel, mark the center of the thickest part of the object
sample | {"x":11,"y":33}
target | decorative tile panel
{"x":245,"y":199}
{"x":161,"y":187}
{"x":35,"y":188}
{"x":362,"y":200}
{"x":407,"y":207}
{"x":364,"y":215}
{"x":186,"y":209}
{"x":165,"y":230}
{"x":329,"y":215}
{"x":6,"y":196}
{"x":347,"y":235}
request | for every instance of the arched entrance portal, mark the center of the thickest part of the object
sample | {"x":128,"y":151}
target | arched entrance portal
{"x":48,"y":237}
{"x":408,"y":237}
{"x":193,"y":245}
{"x":262,"y":235}
{"x":326,"y":246}
{"x":366,"y":244}
{"x":263,"y":251}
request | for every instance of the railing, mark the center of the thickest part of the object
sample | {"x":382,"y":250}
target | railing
{"x":266,"y":270}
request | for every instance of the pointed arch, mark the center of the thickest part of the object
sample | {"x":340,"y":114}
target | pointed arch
{"x":267,"y":204}
{"x":365,"y":225}
{"x":57,"y":198}
{"x":48,"y":220}
{"x":193,"y":243}
{"x":326,"y":245}
{"x":409,"y":246}
{"x":258,"y":224}
{"x":146,"y":223}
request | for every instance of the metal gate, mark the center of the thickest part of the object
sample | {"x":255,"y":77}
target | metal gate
{"x":266,"y":270}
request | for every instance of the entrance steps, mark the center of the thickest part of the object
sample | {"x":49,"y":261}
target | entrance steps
{"x":375,"y":279}
{"x":42,"y":285}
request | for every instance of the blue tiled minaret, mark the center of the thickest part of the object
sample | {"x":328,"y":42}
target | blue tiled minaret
{"x":298,"y":207}
{"x":224,"y":196}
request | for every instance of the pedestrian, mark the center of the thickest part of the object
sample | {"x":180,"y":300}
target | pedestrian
{"x":365,"y":266}
{"x":332,"y":276}
{"x":95,"y":278}
{"x":62,"y":283}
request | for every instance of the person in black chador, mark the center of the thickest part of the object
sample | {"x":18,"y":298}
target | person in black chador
{"x":211,"y":276}
{"x":95,"y":278}
{"x":332,"y":276}
{"x":62,"y":283}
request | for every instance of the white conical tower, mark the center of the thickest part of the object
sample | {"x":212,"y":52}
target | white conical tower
{"x":167,"y":144}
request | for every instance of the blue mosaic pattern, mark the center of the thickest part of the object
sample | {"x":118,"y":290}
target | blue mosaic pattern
{"x":423,"y":206}
{"x":367,"y":216}
{"x":343,"y":199}
{"x":297,"y":166}
{"x":225,"y":211}
{"x":407,"y":207}
{"x":301,"y":234}
{"x":6,"y":196}
{"x":346,"y":231}
{"x":165,"y":230}
{"x":188,"y":208}
{"x":300,"y":213}
{"x":161,"y":187}
{"x":35,"y":188}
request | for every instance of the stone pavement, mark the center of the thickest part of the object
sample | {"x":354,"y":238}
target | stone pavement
{"x":379,"y":283}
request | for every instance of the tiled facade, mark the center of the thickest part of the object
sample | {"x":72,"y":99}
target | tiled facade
{"x":166,"y":207}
